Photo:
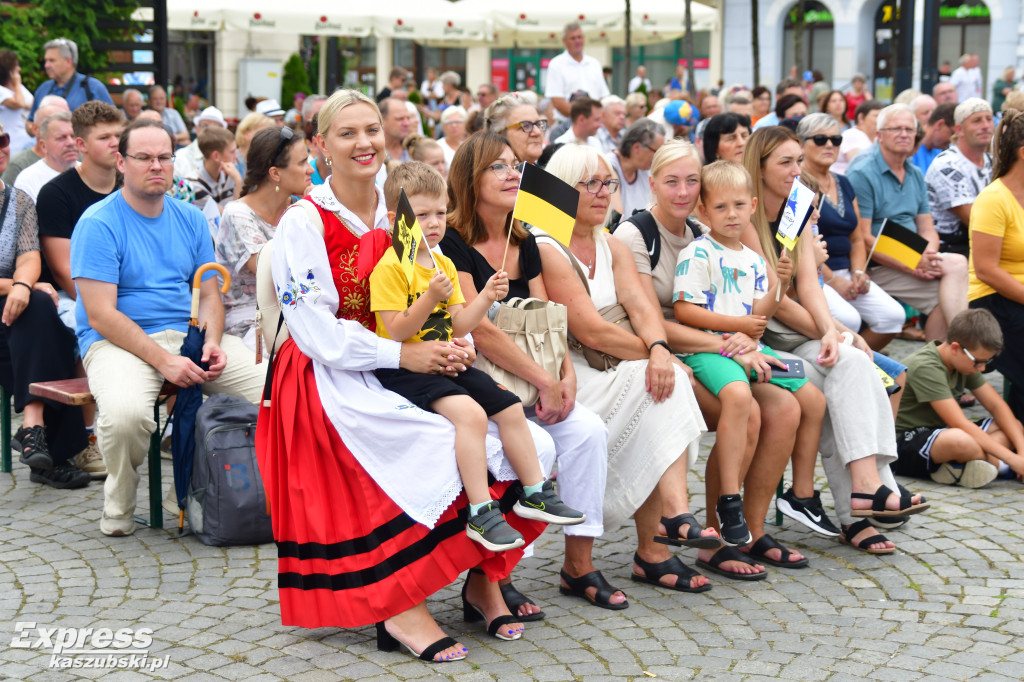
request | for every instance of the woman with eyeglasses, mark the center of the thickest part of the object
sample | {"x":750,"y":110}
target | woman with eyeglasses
{"x":482,"y":186}
{"x":858,"y":439}
{"x":851,"y":295}
{"x":35,"y":345}
{"x":997,"y":252}
{"x":646,"y":400}
{"x":517,"y":120}
{"x":364,"y":495}
{"x":631,"y":162}
{"x":277,"y":169}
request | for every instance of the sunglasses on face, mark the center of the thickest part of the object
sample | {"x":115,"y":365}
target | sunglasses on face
{"x":5,"y":140}
{"x":821,"y":140}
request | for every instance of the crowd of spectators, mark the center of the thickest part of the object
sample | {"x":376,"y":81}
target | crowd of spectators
{"x":107,"y":212}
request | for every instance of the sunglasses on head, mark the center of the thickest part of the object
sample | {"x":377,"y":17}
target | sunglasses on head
{"x":820,"y":140}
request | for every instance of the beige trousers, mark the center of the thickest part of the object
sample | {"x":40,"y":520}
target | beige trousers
{"x":125,"y":388}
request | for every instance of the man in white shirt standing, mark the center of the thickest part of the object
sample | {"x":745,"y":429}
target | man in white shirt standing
{"x":59,"y":154}
{"x":967,"y":78}
{"x":571,"y":71}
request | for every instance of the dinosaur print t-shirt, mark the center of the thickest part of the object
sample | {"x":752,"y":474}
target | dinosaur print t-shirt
{"x":723,"y":280}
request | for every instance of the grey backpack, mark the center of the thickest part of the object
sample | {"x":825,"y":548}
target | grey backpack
{"x":226,"y":503}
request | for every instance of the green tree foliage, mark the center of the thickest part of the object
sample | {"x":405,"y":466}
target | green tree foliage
{"x":295,"y":79}
{"x":24,"y":28}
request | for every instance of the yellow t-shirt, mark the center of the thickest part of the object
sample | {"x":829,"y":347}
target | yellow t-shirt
{"x":998,"y":213}
{"x":390,"y":290}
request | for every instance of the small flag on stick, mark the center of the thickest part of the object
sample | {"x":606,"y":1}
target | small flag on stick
{"x":545,"y":201}
{"x":898,"y":242}
{"x":799,"y":207}
{"x":406,"y":236}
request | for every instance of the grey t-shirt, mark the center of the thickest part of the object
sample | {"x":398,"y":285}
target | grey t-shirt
{"x":665,"y":272}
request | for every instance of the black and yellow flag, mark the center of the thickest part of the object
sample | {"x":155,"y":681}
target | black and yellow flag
{"x":406,"y":236}
{"x":898,"y":242}
{"x":547,"y":202}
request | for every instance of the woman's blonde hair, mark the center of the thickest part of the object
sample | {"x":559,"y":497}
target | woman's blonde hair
{"x":417,"y":145}
{"x":338,"y":101}
{"x":252,"y":121}
{"x":668,"y":153}
{"x":575,"y":163}
{"x":759,"y":147}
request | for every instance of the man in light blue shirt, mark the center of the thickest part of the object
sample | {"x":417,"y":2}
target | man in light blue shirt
{"x":889,"y":186}
{"x":133,"y":256}
{"x":60,"y":61}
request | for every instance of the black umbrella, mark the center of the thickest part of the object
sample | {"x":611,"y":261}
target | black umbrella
{"x":189,"y":398}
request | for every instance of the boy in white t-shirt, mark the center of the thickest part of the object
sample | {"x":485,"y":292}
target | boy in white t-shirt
{"x":721,"y":286}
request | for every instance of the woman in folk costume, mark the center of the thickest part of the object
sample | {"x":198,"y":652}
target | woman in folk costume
{"x":364,"y":490}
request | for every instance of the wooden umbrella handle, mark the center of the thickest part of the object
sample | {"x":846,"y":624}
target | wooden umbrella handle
{"x":197,"y":279}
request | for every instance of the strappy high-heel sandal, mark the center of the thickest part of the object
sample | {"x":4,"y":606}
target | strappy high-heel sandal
{"x":388,"y":642}
{"x":471,"y":613}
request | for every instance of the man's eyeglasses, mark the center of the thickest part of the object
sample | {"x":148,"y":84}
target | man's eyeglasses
{"x":528,"y":126}
{"x":594,"y":185}
{"x":976,"y":361}
{"x":899,"y":131}
{"x":822,"y":140}
{"x":502,"y":171}
{"x":147,"y":159}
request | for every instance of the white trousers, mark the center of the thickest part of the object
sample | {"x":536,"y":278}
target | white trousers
{"x":882,"y":313}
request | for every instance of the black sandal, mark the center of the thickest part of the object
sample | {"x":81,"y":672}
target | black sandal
{"x":515,"y":599}
{"x":851,"y":531}
{"x":878,"y":500}
{"x":471,"y":613}
{"x":671,"y":566}
{"x":759,"y":551}
{"x":578,"y":587}
{"x":693,"y":533}
{"x":388,"y":642}
{"x":730,"y":554}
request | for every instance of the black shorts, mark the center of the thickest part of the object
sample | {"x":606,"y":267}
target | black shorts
{"x":423,"y":389}
{"x":913,"y":449}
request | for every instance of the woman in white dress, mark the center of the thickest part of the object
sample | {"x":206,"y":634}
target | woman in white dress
{"x":15,"y":101}
{"x":647,"y":399}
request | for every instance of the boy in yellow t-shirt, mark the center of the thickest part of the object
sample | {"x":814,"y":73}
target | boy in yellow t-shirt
{"x":432,"y":308}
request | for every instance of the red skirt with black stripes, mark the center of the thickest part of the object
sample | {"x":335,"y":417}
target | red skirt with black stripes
{"x":347,"y":554}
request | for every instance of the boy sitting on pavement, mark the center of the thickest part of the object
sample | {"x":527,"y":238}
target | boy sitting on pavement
{"x":934,"y":436}
{"x":431,"y":308}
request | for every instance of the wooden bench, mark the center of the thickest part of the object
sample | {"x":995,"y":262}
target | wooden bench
{"x":76,"y":392}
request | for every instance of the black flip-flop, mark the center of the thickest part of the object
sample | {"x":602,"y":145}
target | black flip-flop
{"x":515,"y":599}
{"x":693,"y":533}
{"x":759,"y":551}
{"x":730,"y":554}
{"x":578,"y":588}
{"x":653,"y":573}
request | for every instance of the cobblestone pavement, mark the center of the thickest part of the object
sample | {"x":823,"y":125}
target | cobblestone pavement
{"x":948,"y":605}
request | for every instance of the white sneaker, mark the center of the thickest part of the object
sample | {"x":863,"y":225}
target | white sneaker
{"x":117,"y":527}
{"x":976,"y":473}
{"x":90,"y":460}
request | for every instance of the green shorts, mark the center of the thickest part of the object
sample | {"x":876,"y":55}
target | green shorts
{"x":715,"y":371}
